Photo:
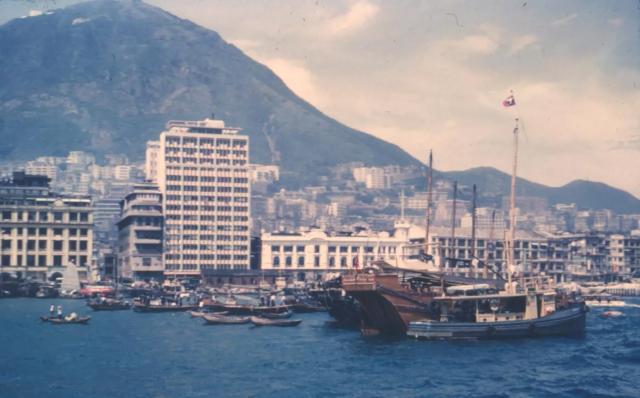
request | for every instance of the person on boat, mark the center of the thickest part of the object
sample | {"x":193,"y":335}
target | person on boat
{"x":59,"y":311}
{"x":52,"y":310}
{"x":272,"y":300}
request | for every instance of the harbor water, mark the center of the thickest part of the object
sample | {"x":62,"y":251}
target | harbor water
{"x":127,"y":354}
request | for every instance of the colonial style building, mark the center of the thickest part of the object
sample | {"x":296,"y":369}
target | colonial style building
{"x":203,"y":176}
{"x":41,"y":232}
{"x":140,"y":233}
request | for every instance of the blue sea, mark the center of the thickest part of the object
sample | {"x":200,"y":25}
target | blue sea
{"x":127,"y":354}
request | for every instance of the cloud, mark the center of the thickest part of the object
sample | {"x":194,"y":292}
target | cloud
{"x":358,"y":15}
{"x":616,"y":22}
{"x":521,"y":42}
{"x":470,"y":45}
{"x":298,"y":78}
{"x":565,"y":20}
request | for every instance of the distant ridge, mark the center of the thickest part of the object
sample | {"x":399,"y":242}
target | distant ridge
{"x":495,"y":184}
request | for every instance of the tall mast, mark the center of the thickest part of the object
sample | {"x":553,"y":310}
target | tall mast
{"x":473,"y":229}
{"x":429,"y":199}
{"x":489,"y":242}
{"x":512,"y":212}
{"x":453,"y":222}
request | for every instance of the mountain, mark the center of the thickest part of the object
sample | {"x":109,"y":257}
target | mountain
{"x":494,"y":184}
{"x":105,"y":76}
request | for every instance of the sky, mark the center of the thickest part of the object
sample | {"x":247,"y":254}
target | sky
{"x":432,"y":75}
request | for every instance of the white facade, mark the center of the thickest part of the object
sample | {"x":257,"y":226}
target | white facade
{"x":316,"y":250}
{"x":203,"y":176}
{"x":35,"y":167}
{"x":151,"y":160}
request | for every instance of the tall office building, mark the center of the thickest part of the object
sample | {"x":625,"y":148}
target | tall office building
{"x":203,"y":175}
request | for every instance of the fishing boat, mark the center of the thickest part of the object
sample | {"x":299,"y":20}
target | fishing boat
{"x":225,"y":320}
{"x":476,"y":314}
{"x":68,"y":320}
{"x":281,"y":315}
{"x":259,"y":321}
{"x":109,"y":304}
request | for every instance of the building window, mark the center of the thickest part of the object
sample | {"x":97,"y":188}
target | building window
{"x":332,"y":262}
{"x":73,"y":245}
{"x":57,"y":245}
{"x":276,"y":262}
{"x":343,"y":261}
{"x":57,"y":261}
{"x":300,"y":249}
{"x":42,"y":245}
{"x":287,"y":261}
{"x":57,"y":216}
{"x":44,"y":216}
{"x":6,"y":215}
{"x":316,"y":249}
{"x":301,"y":261}
{"x":316,"y":261}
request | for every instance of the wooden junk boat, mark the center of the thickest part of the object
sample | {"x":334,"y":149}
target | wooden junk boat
{"x":259,"y":321}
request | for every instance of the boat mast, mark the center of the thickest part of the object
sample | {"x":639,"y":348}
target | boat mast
{"x":489,"y":242}
{"x":429,"y":198}
{"x":512,"y":213}
{"x":453,"y":222}
{"x":473,"y":231}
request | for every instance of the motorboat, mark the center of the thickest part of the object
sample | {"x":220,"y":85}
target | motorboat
{"x":603,"y":300}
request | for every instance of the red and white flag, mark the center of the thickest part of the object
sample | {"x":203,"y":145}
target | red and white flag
{"x":509,"y":101}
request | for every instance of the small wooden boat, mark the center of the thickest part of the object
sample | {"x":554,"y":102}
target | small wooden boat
{"x":239,"y":309}
{"x":281,"y":315}
{"x":258,"y":321}
{"x":82,"y":320}
{"x":201,"y":314}
{"x":225,"y":320}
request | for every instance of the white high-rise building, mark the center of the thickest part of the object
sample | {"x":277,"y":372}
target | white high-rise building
{"x":151,"y":160}
{"x":203,"y":175}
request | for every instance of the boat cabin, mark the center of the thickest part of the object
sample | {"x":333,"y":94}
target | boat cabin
{"x":481,"y":308}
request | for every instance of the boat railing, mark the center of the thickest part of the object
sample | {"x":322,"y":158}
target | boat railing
{"x":359,"y":282}
{"x":538,"y":283}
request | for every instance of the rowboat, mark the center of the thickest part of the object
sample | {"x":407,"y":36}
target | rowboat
{"x":258,"y":321}
{"x":225,"y":320}
{"x":139,"y":307}
{"x":83,"y":320}
{"x":201,"y":314}
{"x":281,"y":315}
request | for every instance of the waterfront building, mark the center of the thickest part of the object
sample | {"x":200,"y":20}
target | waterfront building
{"x":41,"y":231}
{"x":319,"y":251}
{"x":203,"y":176}
{"x":106,"y":212}
{"x":140,"y":233}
